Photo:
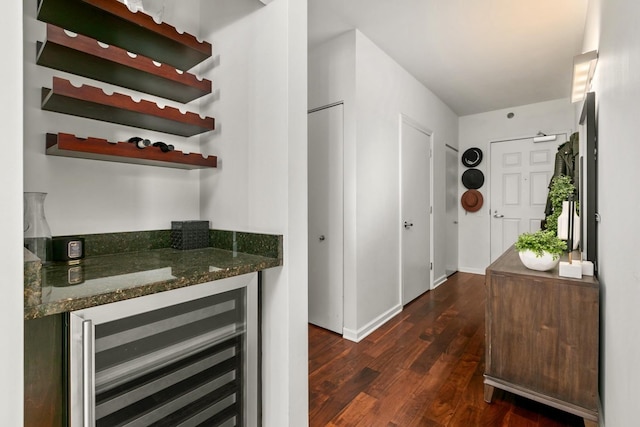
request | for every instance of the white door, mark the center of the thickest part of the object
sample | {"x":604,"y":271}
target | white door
{"x":415,"y":173}
{"x":325,"y":160}
{"x":520,"y":175}
{"x":451,"y":204}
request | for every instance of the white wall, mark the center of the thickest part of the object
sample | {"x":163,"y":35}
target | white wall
{"x":11,"y":253}
{"x":384,"y":90}
{"x":261,"y":76}
{"x":375,"y":90}
{"x":478,"y":130}
{"x":332,"y":78}
{"x":332,"y":68}
{"x":89,"y":196}
{"x":612,"y":29}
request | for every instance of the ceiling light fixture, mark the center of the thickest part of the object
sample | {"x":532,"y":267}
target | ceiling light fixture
{"x":584,"y":66}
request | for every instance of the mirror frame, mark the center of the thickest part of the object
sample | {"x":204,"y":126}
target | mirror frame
{"x":589,"y":183}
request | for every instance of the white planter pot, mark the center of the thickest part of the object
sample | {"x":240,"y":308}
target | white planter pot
{"x":533,"y":262}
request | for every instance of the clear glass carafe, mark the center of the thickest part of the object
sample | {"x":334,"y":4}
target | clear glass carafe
{"x":37,"y":234}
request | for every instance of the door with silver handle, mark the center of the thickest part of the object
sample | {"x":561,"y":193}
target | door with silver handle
{"x":497,"y":215}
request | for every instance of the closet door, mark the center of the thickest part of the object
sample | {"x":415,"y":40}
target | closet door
{"x":415,"y":206}
{"x":325,"y":168}
{"x":451,"y":208}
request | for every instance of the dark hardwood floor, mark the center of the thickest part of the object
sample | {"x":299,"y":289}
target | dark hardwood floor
{"x":422,"y":368}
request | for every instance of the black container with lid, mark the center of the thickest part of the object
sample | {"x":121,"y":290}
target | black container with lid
{"x":69,"y":249}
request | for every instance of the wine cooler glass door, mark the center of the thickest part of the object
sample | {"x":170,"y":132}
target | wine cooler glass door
{"x":179,"y":361}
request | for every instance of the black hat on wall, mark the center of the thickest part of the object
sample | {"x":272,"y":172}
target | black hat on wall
{"x":472,"y":157}
{"x":473,"y":179}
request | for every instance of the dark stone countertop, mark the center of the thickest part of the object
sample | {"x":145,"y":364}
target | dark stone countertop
{"x":109,"y":277}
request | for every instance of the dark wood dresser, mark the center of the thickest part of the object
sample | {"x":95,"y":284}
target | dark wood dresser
{"x":542,"y":336}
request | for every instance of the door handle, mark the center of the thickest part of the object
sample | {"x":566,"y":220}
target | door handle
{"x":88,"y":372}
{"x":408,"y":224}
{"x":321,"y":238}
{"x":498,"y":216}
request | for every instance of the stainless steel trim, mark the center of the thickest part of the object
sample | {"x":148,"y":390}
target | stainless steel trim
{"x":75,"y":370}
{"x":252,"y":351}
{"x":212,"y":410}
{"x":150,"y":329}
{"x":88,"y":391}
{"x":120,"y":374}
{"x":122,"y":400}
{"x":179,"y":402}
{"x":108,"y":312}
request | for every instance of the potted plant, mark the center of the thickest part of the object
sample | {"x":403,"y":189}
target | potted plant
{"x":540,"y":250}
{"x":561,"y":188}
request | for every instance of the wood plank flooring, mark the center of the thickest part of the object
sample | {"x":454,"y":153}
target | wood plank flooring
{"x":422,"y":368}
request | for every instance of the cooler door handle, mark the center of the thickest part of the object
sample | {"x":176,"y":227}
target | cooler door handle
{"x":88,"y":375}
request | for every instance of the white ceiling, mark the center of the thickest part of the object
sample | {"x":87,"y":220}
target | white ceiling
{"x":475,"y":55}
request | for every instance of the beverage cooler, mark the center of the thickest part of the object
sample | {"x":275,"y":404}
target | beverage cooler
{"x":185,"y":357}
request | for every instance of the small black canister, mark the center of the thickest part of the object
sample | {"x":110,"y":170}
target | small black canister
{"x":68,"y":249}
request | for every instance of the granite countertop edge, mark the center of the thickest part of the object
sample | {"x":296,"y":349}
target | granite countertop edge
{"x":72,"y":304}
{"x":250,"y":261}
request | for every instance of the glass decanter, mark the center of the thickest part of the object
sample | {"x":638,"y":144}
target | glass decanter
{"x":37,"y":234}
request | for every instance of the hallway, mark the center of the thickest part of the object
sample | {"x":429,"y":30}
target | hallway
{"x":422,"y":368}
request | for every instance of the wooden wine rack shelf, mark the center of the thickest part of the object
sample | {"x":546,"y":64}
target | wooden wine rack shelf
{"x":92,"y":102}
{"x":86,"y":57}
{"x":113,"y":23}
{"x":67,"y":145}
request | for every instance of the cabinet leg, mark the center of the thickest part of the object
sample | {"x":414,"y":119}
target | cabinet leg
{"x":590,"y":423}
{"x":488,"y":393}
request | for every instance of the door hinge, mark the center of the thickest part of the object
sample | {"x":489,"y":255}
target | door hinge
{"x":430,"y":266}
{"x":430,"y":209}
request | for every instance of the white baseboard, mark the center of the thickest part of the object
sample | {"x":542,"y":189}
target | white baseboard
{"x":362,"y":333}
{"x":439,"y":281}
{"x":472,"y":270}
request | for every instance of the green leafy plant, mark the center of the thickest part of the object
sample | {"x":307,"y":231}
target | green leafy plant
{"x":541,"y":241}
{"x":561,"y":189}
